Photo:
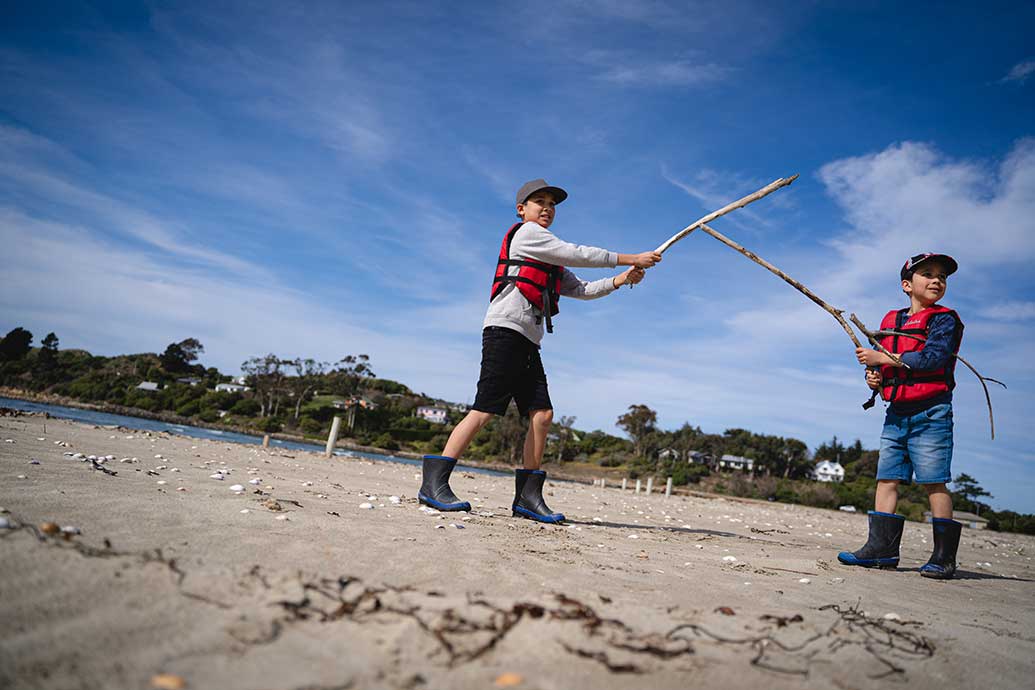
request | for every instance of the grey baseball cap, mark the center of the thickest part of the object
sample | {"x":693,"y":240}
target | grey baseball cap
{"x":533,"y":186}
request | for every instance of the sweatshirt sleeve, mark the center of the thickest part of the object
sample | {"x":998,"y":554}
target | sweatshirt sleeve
{"x":573,"y":286}
{"x":938,"y":347}
{"x":535,"y":242}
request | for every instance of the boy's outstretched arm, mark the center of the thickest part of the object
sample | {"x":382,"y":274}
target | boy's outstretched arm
{"x":630,"y":277}
{"x":641,"y":260}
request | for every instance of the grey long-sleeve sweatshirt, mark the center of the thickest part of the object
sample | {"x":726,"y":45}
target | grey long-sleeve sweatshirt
{"x":511,"y":310}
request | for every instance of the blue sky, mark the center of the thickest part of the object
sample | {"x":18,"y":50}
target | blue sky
{"x":335,"y":178}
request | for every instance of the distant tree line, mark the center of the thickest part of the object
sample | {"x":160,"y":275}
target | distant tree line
{"x":301,"y":396}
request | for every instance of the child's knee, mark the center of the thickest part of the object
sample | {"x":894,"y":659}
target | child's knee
{"x":542,"y":418}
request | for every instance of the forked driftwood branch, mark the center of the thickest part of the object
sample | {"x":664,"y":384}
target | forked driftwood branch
{"x":836,"y":313}
{"x":740,"y":203}
{"x":873,"y":337}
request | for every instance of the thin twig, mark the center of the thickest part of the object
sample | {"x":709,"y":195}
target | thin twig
{"x":873,"y":337}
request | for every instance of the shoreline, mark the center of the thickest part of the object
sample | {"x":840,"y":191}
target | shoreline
{"x":583,"y":474}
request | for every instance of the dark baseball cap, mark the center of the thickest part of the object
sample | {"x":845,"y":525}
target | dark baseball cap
{"x":912,"y":262}
{"x":533,"y":186}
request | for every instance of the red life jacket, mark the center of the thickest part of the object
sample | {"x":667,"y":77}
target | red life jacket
{"x":905,"y":385}
{"x":539,"y":282}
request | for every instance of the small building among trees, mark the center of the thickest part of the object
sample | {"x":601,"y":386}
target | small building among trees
{"x":828,"y":471}
{"x":735,"y":462}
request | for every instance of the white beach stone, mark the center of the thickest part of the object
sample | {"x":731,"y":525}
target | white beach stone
{"x":804,"y":580}
{"x":366,"y":506}
{"x":633,"y":536}
{"x":730,"y":559}
{"x":158,"y":457}
{"x":69,"y":529}
{"x":175,"y":469}
{"x":255,"y":481}
{"x":245,"y":511}
{"x":456,"y":526}
{"x":34,"y":461}
{"x":160,"y":482}
{"x":395,"y":500}
{"x":5,"y":523}
{"x":237,"y":487}
{"x":21,"y":476}
{"x":281,"y":518}
{"x":215,"y":476}
{"x":892,"y":617}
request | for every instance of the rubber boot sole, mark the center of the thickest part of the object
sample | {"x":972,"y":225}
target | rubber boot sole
{"x":554,"y":519}
{"x":444,"y":507}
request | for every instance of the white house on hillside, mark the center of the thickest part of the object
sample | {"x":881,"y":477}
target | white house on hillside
{"x":231,"y":387}
{"x":827,"y":471}
{"x":435,"y":415}
{"x":735,"y":462}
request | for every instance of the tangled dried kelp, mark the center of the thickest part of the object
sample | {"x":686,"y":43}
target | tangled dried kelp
{"x":464,"y":636}
{"x":885,"y":641}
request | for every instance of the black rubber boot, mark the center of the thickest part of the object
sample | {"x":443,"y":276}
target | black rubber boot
{"x":881,"y":548}
{"x":434,"y":489}
{"x":528,"y":497}
{"x":942,"y":564}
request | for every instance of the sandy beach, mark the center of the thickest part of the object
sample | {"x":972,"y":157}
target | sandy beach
{"x":325,"y":573}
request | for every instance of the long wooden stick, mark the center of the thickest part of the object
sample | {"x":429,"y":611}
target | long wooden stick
{"x":836,"y":313}
{"x":740,"y":203}
{"x":873,"y":336}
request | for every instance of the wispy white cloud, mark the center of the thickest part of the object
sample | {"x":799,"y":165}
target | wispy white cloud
{"x":715,"y":189}
{"x":1020,"y":72}
{"x":638,"y":70}
{"x":1010,"y":311}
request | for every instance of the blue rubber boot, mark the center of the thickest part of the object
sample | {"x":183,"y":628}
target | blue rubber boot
{"x":881,"y":548}
{"x":528,"y":497}
{"x":942,"y":564}
{"x":434,"y":488}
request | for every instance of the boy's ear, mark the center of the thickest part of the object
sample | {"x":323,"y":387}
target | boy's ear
{"x":907,"y":286}
{"x":520,"y":211}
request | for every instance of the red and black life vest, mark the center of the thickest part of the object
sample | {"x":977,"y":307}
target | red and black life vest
{"x":539,"y":282}
{"x":905,"y":385}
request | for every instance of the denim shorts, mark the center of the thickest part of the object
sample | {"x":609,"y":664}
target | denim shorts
{"x":919,"y":444}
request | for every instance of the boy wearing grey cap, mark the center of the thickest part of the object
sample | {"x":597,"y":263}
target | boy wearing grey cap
{"x":530,"y":277}
{"x":917,"y":435}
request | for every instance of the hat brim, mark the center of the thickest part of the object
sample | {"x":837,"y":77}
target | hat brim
{"x":950,"y":263}
{"x":559,"y":194}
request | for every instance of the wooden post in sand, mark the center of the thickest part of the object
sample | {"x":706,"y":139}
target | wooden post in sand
{"x":266,"y":441}
{"x":637,"y":486}
{"x":624,"y":483}
{"x":602,"y":483}
{"x":650,"y":484}
{"x":333,"y":437}
{"x":668,"y":487}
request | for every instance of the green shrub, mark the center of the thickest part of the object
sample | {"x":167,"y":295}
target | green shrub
{"x":247,"y":407}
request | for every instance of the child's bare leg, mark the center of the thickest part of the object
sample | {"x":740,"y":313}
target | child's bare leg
{"x":886,"y":499}
{"x":941,"y":500}
{"x":464,"y":433}
{"x":535,"y":440}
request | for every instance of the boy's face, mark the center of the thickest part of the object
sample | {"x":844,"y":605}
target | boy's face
{"x":538,"y":208}
{"x":928,"y":282}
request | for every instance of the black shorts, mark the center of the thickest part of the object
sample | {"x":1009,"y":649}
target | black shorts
{"x":511,"y":368}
